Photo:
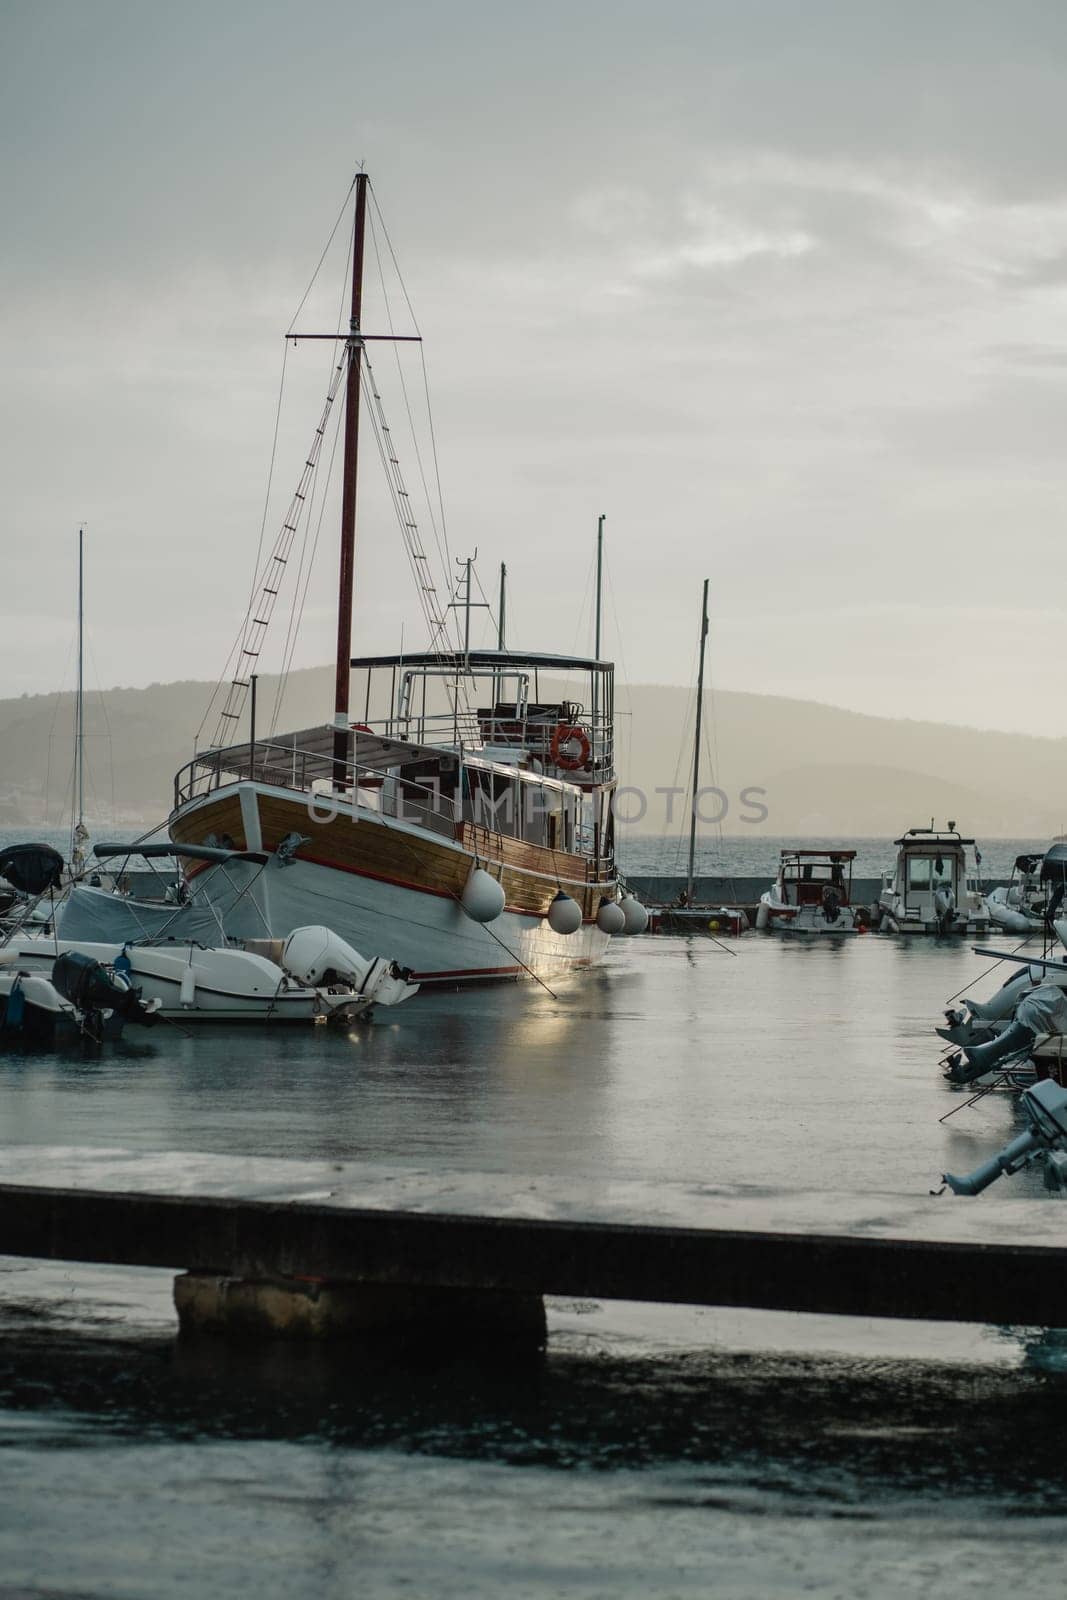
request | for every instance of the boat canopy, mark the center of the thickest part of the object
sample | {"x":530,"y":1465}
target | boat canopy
{"x":819,"y":855}
{"x":1054,"y":864}
{"x":932,"y":836}
{"x":479,"y":661}
{"x":31,"y":868}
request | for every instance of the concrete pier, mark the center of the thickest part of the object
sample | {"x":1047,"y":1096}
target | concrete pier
{"x":444,"y":1244}
{"x":210,"y":1305}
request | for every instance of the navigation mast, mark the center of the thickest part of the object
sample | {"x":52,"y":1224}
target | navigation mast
{"x":78,"y":832}
{"x":696,"y":746}
{"x":346,"y":580}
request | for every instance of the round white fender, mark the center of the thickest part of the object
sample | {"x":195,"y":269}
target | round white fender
{"x":611,"y":918}
{"x":564,"y":914}
{"x":634,"y":914}
{"x":483,"y":897}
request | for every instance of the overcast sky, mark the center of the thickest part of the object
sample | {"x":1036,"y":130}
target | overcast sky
{"x":780,"y":288}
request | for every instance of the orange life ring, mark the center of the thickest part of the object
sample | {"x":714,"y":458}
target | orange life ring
{"x":567,"y":733}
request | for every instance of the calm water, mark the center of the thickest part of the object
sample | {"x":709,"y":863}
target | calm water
{"x":756,"y":854}
{"x":655,"y":1450}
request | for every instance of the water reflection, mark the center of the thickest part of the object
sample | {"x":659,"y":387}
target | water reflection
{"x":808,"y":1428}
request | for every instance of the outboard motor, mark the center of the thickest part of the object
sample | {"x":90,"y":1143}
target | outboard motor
{"x":89,"y":987}
{"x":318,"y":957}
{"x":1045,"y":1106}
{"x":944,"y":910}
{"x":831,"y":903}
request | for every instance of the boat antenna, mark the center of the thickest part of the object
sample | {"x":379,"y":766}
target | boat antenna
{"x":696,"y":744}
{"x":466,"y":604}
{"x":346,"y":577}
{"x":599,"y":581}
{"x":502,"y":608}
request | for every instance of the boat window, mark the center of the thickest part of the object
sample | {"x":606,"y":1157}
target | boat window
{"x":919,"y":872}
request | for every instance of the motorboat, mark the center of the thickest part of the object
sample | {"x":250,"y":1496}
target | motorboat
{"x":1019,"y":906}
{"x":310,"y":976}
{"x":933,"y":887}
{"x":812,"y":894}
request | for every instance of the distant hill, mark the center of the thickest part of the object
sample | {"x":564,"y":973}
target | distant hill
{"x":823,"y":771}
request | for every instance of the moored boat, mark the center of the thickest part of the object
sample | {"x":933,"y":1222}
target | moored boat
{"x":812,"y":894}
{"x":933,"y":888}
{"x":1019,"y":906}
{"x":312,"y":975}
{"x":462,"y":819}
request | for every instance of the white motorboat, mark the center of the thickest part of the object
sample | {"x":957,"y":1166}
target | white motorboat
{"x":933,"y":887}
{"x":1019,"y":906}
{"x":812,"y":894}
{"x":312,"y":975}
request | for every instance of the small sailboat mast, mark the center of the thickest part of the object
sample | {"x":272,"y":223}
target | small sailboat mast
{"x":696,"y":746}
{"x":78,"y":832}
{"x":79,"y":742}
{"x":346,"y":580}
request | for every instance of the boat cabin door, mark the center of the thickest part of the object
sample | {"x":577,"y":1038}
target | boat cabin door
{"x":927,"y":874}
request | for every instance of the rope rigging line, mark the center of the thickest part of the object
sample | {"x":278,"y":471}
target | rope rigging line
{"x":435,"y":615}
{"x":442,"y":551}
{"x":297,"y":614}
{"x":425,"y":375}
{"x":303,"y":576}
{"x":272,"y":574}
{"x":234,"y":648}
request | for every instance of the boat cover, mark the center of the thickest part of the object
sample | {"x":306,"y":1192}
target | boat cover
{"x":1044,"y":1009}
{"x":99,"y":917}
{"x":32,"y":868}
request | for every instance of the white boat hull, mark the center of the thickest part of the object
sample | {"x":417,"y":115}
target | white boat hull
{"x":195,"y":985}
{"x":423,"y":930}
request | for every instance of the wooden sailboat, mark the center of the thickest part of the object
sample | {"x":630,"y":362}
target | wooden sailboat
{"x":462,"y":819}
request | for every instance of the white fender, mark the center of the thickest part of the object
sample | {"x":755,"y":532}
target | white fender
{"x":187,"y":992}
{"x":634,"y":913}
{"x":611,"y":918}
{"x":564,"y":914}
{"x":483,"y":897}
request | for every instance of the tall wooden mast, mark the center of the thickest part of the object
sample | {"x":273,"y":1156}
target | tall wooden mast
{"x":348,"y":494}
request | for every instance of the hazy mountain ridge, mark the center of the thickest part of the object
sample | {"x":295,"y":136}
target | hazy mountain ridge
{"x":823,"y":770}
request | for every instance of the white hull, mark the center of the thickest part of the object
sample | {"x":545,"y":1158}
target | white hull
{"x":222,"y":986}
{"x":423,"y":930}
